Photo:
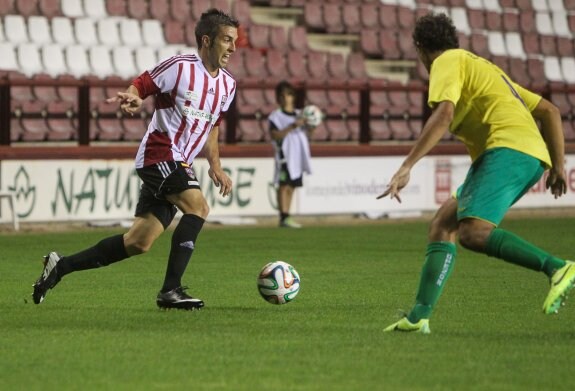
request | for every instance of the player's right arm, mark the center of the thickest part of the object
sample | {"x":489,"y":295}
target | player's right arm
{"x":552,"y":130}
{"x":129,"y":100}
{"x":434,"y":129}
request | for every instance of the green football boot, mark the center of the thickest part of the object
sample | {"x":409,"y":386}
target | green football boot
{"x":561,"y":283}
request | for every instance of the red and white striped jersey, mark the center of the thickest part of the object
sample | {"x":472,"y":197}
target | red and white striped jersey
{"x":189,"y":103}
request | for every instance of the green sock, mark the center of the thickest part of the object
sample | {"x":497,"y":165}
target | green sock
{"x":511,"y":248}
{"x":439,"y":261}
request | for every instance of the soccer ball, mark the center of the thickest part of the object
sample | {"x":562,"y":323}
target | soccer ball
{"x":313,"y":115}
{"x":278,"y":282}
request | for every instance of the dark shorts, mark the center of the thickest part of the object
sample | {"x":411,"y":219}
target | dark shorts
{"x":285,"y":178}
{"x":159,"y":180}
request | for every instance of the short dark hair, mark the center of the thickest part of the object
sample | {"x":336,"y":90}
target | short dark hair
{"x":281,"y":88}
{"x":435,"y":32}
{"x":210,"y":22}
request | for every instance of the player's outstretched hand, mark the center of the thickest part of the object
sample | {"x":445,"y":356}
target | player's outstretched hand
{"x":398,"y":182}
{"x":129,"y":103}
{"x":556,"y":182}
{"x":221,"y":180}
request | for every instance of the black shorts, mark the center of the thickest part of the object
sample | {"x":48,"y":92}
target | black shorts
{"x":285,"y":178}
{"x":159,"y":180}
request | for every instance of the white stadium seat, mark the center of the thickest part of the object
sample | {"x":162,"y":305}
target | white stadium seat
{"x":39,"y":30}
{"x":101,"y":61}
{"x":568,"y":69}
{"x":130,"y":32}
{"x":62,"y":31}
{"x":108,"y":32}
{"x":53,"y":60}
{"x":514,"y":45}
{"x":153,"y":33}
{"x":77,"y":60}
{"x":123,"y":60}
{"x":29,"y":59}
{"x":85,"y":31}
{"x":72,"y":8}
{"x":145,"y":58}
{"x":8,"y":60}
{"x":15,"y":29}
{"x":496,"y":43}
{"x":552,"y":69}
{"x":96,"y":9}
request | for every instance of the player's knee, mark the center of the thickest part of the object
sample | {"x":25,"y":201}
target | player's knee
{"x":138,"y":246}
{"x":472,"y":238}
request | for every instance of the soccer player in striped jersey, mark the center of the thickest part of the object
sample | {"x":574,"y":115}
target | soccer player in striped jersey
{"x":192,"y":93}
{"x":495,"y":119}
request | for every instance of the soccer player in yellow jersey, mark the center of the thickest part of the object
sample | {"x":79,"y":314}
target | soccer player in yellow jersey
{"x":495,"y":119}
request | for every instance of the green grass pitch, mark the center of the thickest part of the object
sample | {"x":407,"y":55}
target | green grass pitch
{"x":100,"y":329}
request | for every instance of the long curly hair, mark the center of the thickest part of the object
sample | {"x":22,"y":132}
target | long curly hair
{"x":435,"y":32}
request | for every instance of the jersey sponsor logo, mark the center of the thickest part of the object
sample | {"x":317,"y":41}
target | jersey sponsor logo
{"x":224,"y":99}
{"x":191,"y":95}
{"x":200,"y":115}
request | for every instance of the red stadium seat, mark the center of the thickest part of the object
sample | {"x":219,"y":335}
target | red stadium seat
{"x":369,"y":43}
{"x":278,"y":38}
{"x":27,"y":7}
{"x":296,"y":65}
{"x":336,"y":67}
{"x":133,"y":128}
{"x":510,"y":20}
{"x":116,"y":7}
{"x":313,"y":16}
{"x":223,"y":5}
{"x":254,"y":61}
{"x":388,"y":42}
{"x":476,"y":19}
{"x":518,"y":71}
{"x":400,"y":130}
{"x":242,"y":12}
{"x":174,"y":32}
{"x":181,"y":10}
{"x":493,"y":21}
{"x":337,"y":130}
{"x":250,"y":130}
{"x":297,"y":38}
{"x":258,"y":36}
{"x":527,"y":21}
{"x":159,"y":10}
{"x":379,"y":130}
{"x":45,"y":93}
{"x":7,"y":7}
{"x":320,"y":133}
{"x":531,"y":43}
{"x":276,"y":64}
{"x":351,"y":18}
{"x":388,"y":16}
{"x":316,"y":65}
{"x":478,"y":44}
{"x":138,"y":9}
{"x":369,"y":15}
{"x":405,"y":17}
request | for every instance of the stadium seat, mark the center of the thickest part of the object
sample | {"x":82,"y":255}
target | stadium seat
{"x":255,"y":64}
{"x":62,"y":31}
{"x":317,"y":97}
{"x":379,"y":130}
{"x":548,"y":44}
{"x":317,"y":65}
{"x":351,"y":18}
{"x":258,"y":36}
{"x":53,"y":61}
{"x":369,"y":15}
{"x":568,"y":69}
{"x":560,"y":99}
{"x":47,"y":93}
{"x":336,"y":69}
{"x":15,"y":29}
{"x":95,"y":9}
{"x":459,"y":17}
{"x":26,"y":7}
{"x":106,"y":129}
{"x":510,"y":20}
{"x":123,"y":61}
{"x":320,"y":133}
{"x":241,"y":10}
{"x":493,"y":20}
{"x":527,"y":21}
{"x":369,"y":43}
{"x":72,"y":8}
{"x":77,"y":60}
{"x":180,"y":10}
{"x":296,"y":66}
{"x":313,"y":17}
{"x":514,"y":45}
{"x":100,"y":61}
{"x":116,"y":7}
{"x":405,"y":17}
{"x":145,"y":57}
{"x":39,"y":30}
{"x":7,"y":7}
{"x":552,"y":69}
{"x":152,"y":33}
{"x":400,"y":130}
{"x":60,"y":122}
{"x":565,"y":47}
{"x":250,"y":130}
{"x":479,"y":45}
{"x":133,"y":128}
{"x":337,"y":130}
{"x":278,"y":38}
{"x":276,"y":64}
{"x":85,"y":32}
{"x":8,"y":61}
{"x":496,"y":43}
{"x":388,"y":44}
{"x":518,"y":71}
{"x":108,"y":32}
{"x":297,"y":39}
{"x":388,"y":16}
{"x":252,"y":101}
{"x":137,"y":9}
{"x":159,"y":10}
{"x":174,"y":32}
{"x":476,"y":18}
{"x":29,"y":61}
{"x":535,"y":70}
{"x":406,"y":46}
{"x":131,"y":33}
{"x":569,"y":130}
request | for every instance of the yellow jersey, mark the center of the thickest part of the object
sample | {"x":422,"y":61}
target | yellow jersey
{"x":491,"y":110}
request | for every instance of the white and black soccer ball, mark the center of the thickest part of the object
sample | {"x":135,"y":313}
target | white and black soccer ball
{"x":312,"y":115}
{"x":278,"y":282}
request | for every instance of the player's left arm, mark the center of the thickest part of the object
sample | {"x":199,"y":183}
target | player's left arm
{"x":211,"y":151}
{"x":435,"y":127}
{"x":552,"y":130}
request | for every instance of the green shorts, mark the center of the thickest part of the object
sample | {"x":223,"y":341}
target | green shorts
{"x":495,"y":181}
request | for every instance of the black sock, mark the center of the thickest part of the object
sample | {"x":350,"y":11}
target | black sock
{"x":183,"y":243}
{"x":107,"y":251}
{"x":283,"y":216}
